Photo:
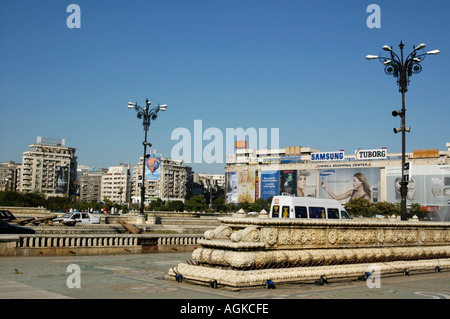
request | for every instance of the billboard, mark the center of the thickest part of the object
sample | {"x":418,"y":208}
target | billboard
{"x":231,"y":187}
{"x":153,"y":168}
{"x":428,"y":185}
{"x":328,"y":156}
{"x":269,"y":184}
{"x":350,"y":183}
{"x":246,"y":187}
{"x":62,"y":179}
{"x":362,"y":155}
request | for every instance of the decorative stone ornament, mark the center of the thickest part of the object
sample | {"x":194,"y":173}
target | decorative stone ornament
{"x":245,"y":251}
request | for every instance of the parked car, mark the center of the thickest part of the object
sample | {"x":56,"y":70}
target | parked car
{"x":6,"y":228}
{"x":77,"y":217}
{"x":6,"y":215}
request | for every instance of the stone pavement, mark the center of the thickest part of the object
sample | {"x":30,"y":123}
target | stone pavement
{"x":142,"y":277}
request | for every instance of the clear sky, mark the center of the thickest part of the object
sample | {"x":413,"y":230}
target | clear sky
{"x":298,"y":66}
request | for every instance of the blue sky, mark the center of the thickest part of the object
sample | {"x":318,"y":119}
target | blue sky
{"x":294,"y":65}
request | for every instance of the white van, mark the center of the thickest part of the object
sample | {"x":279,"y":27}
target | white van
{"x":306,"y":207}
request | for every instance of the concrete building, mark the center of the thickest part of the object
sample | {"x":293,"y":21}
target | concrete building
{"x":116,"y":184}
{"x":171,"y":180}
{"x":9,"y":176}
{"x":49,"y":167}
{"x":91,"y":184}
{"x":299,"y":171}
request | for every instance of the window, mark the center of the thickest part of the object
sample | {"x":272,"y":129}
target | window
{"x":301,"y":212}
{"x":333,"y":213}
{"x":275,"y":211}
{"x":285,"y":212}
{"x":344,"y":215}
{"x":317,"y":212}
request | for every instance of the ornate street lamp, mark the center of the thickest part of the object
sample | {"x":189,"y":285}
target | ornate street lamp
{"x":147,"y":115}
{"x":402,"y":70}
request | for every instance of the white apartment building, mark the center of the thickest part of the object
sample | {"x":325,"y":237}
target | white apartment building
{"x":216,"y":181}
{"x":49,"y":167}
{"x":172,"y":182}
{"x":116,"y":184}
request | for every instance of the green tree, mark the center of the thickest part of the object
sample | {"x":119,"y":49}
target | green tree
{"x":259,"y":205}
{"x":358,"y":207}
{"x":175,"y":206}
{"x":219,"y":205}
{"x":196,"y":204}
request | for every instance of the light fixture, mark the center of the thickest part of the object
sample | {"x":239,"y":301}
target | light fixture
{"x":387,"y":48}
{"x":371,"y":57}
{"x":397,"y":113}
{"x":131,"y":105}
{"x":420,"y":46}
{"x":434,"y":52}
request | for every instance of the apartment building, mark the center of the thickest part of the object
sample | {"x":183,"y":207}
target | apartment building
{"x":172,"y":180}
{"x":116,"y":184}
{"x":49,"y":167}
{"x":90,"y":184}
{"x":9,"y":176}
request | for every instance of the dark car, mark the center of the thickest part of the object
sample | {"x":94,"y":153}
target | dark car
{"x":6,"y":215}
{"x":6,"y":228}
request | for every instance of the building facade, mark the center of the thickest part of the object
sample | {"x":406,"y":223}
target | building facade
{"x":373,"y":174}
{"x":49,"y":167}
{"x":9,"y":176}
{"x":116,"y":184}
{"x":165,"y":178}
{"x":91,"y":184}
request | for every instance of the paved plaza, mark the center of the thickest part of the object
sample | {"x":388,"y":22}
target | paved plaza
{"x":142,"y":277}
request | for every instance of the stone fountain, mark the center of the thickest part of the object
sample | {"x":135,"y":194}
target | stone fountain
{"x":248,"y":251}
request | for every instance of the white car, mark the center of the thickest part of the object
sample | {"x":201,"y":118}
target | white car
{"x":78,"y":217}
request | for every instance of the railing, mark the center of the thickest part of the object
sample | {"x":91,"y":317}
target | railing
{"x":95,"y":244}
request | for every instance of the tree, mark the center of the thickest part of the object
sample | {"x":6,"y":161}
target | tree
{"x":259,"y":205}
{"x":358,"y":207}
{"x":175,"y":206}
{"x":219,"y":205}
{"x":195,"y":204}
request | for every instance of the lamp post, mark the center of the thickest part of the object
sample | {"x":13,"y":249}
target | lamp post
{"x":402,"y":69}
{"x":147,"y":115}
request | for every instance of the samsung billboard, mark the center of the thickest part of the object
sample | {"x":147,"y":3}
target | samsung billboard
{"x":328,"y":156}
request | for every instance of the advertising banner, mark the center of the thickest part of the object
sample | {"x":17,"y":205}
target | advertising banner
{"x":350,"y":183}
{"x":231,"y":187}
{"x":62,"y":179}
{"x":153,"y":168}
{"x":288,"y":182}
{"x":246,"y":187}
{"x":269,"y":184}
{"x":428,"y":185}
{"x":328,"y":156}
{"x":306,"y":185}
{"x":361,"y":155}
